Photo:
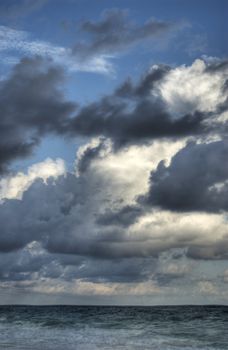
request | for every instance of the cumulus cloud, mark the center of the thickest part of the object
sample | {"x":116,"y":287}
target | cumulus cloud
{"x":178,"y":88}
{"x":69,"y":216}
{"x":195,"y":180}
{"x":75,"y":204}
{"x":13,"y":187}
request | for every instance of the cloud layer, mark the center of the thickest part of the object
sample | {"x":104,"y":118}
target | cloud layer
{"x":86,"y":230}
{"x":148,"y":197}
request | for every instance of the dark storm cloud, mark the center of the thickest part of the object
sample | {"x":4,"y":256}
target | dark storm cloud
{"x":117,"y":270}
{"x":220,"y":65}
{"x":17,"y":266}
{"x":148,"y":120}
{"x":21,"y":266}
{"x":42,"y":209}
{"x":122,"y":217}
{"x":132,"y":115}
{"x":115,"y":33}
{"x":145,"y":85}
{"x":32,"y":105}
{"x":13,"y":149}
{"x":62,"y":216}
{"x":11,"y":9}
{"x":194,"y":181}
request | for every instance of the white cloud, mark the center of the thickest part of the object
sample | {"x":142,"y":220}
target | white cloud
{"x":14,"y":43}
{"x":207,"y":287}
{"x":186,"y":89}
{"x":160,"y":231}
{"x":14,"y":186}
{"x":127,"y":171}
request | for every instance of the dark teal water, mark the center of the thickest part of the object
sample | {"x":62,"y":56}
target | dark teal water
{"x":98,"y":327}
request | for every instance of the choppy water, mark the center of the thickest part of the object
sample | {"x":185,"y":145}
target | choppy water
{"x":125,"y":328}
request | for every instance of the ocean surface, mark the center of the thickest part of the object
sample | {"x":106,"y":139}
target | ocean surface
{"x":107,"y":327}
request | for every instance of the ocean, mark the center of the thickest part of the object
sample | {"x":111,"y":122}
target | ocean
{"x":112,"y":327}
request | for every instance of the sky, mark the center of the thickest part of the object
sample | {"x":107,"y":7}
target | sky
{"x":113,"y":152}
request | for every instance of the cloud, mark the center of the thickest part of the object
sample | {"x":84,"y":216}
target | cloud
{"x":158,"y":106}
{"x":14,"y":44}
{"x":73,"y":203}
{"x":195,"y":180}
{"x":133,"y":114}
{"x":84,"y":234}
{"x":33,"y":263}
{"x":147,"y":200}
{"x":91,"y":151}
{"x":92,"y":226}
{"x":115,"y":33}
{"x":117,"y":165}
{"x":123,"y":217}
{"x":225,"y":276}
{"x":171,"y":272}
{"x":108,"y":37}
{"x":207,"y":287}
{"x":13,"y":187}
{"x":148,"y":120}
{"x":94,"y":215}
{"x":32,"y":105}
{"x":179,"y":93}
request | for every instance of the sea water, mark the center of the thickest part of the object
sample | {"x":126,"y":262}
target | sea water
{"x":112,"y":327}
